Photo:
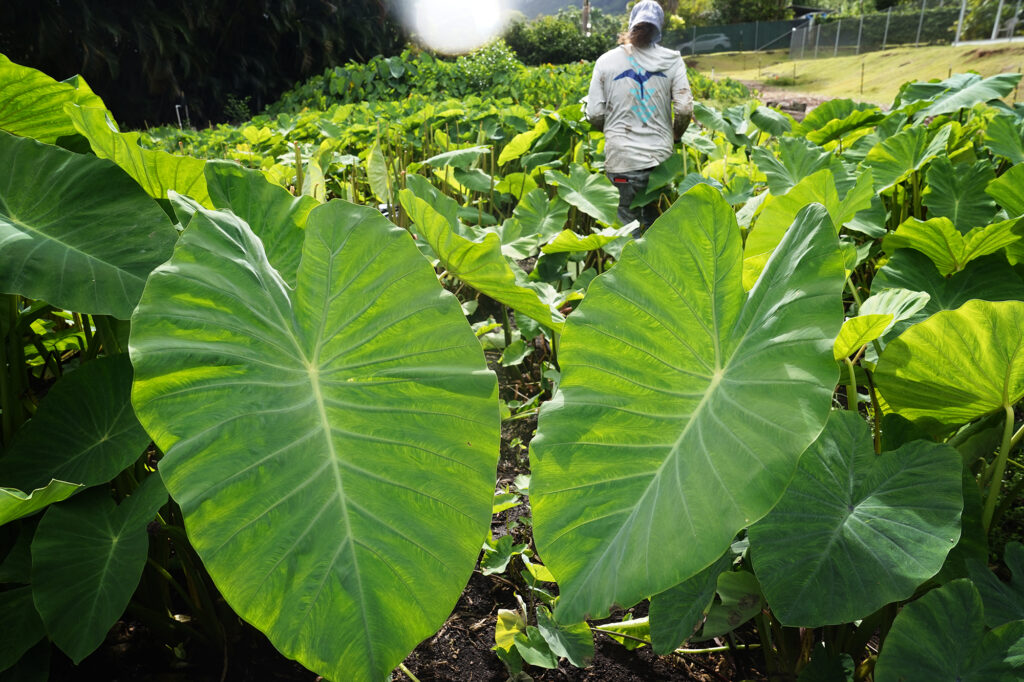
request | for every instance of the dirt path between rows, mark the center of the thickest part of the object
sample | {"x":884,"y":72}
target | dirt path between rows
{"x":796,"y":104}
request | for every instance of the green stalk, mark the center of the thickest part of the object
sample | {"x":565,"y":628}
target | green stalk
{"x":999,"y":468}
{"x":915,"y":181}
{"x":407,"y":672}
{"x":107,"y":335}
{"x":298,"y":169}
{"x":12,"y":369}
{"x":851,"y":386}
{"x":876,"y":412}
{"x":717,"y":649}
{"x":764,"y":632}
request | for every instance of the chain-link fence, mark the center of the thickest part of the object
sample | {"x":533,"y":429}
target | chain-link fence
{"x":870,"y":32}
{"x":934,"y":22}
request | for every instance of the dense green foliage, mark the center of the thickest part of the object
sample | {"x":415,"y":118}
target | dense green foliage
{"x":560,"y":39}
{"x":793,"y":401}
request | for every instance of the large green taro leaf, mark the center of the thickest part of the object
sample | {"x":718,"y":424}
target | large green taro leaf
{"x":1004,"y":602}
{"x":956,"y":365}
{"x":1004,"y":136}
{"x":958,"y":193}
{"x":972,"y":90}
{"x":942,"y":636}
{"x":15,"y":504}
{"x":273,"y":214}
{"x":156,"y":171}
{"x":84,"y":431}
{"x":32,"y":103}
{"x":87,"y":558}
{"x":479,"y":264}
{"x":23,"y":627}
{"x":894,"y":159}
{"x":856,"y":530}
{"x":332,"y":446}
{"x":771,"y":121}
{"x":592,"y":193}
{"x":75,"y":231}
{"x":678,"y":612}
{"x":1008,"y":190}
{"x":665,"y":437}
{"x":989,"y":278}
{"x":832,"y":110}
{"x":779,"y":213}
{"x":948,"y":248}
{"x":541,"y":216}
{"x":796,"y":159}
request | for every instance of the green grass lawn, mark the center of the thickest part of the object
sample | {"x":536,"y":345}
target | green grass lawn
{"x":883,"y":72}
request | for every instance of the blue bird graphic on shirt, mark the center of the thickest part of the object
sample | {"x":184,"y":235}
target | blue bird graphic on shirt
{"x":640,"y":78}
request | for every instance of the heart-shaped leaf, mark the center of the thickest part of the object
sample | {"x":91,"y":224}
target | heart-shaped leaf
{"x":958,"y":193}
{"x":86,"y":243}
{"x":658,"y":445}
{"x":71,"y":439}
{"x":1004,"y":602}
{"x":942,"y":636}
{"x":1008,"y":190}
{"x":989,"y":278}
{"x":26,"y":628}
{"x":950,"y":250}
{"x":678,"y":612}
{"x":592,"y":193}
{"x":956,"y":365}
{"x":856,"y":530}
{"x":972,"y":90}
{"x":894,"y":159}
{"x":332,"y":446}
{"x":779,"y":213}
{"x":858,"y":331}
{"x":542,"y":216}
{"x":1004,"y":136}
{"x":770,"y":121}
{"x":87,"y":558}
{"x":795,"y":160}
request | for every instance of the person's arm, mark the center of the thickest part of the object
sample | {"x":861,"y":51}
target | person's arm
{"x":682,"y":103}
{"x":597,"y":101}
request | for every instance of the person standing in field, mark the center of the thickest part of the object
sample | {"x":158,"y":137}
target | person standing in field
{"x":634,"y":92}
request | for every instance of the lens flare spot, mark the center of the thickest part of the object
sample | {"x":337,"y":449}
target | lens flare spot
{"x":456,"y":26}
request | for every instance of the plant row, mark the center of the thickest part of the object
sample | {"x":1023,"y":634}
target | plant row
{"x":793,"y":400}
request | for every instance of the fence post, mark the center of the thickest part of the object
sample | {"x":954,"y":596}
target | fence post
{"x":817,"y":39}
{"x":803,"y":43}
{"x":860,"y":32}
{"x":999,"y":14}
{"x":755,"y":35}
{"x":960,"y":22}
{"x":885,"y":36}
{"x":920,"y":23}
{"x":693,"y":44}
{"x":839,"y":29}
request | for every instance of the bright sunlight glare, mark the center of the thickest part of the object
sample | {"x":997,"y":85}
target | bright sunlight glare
{"x":456,"y":26}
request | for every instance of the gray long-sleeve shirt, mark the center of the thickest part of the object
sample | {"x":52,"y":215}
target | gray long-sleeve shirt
{"x":634,"y":90}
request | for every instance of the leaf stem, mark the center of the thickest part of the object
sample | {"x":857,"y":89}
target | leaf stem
{"x":999,"y":468}
{"x":408,"y":673}
{"x":851,"y":386}
{"x":717,"y":649}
